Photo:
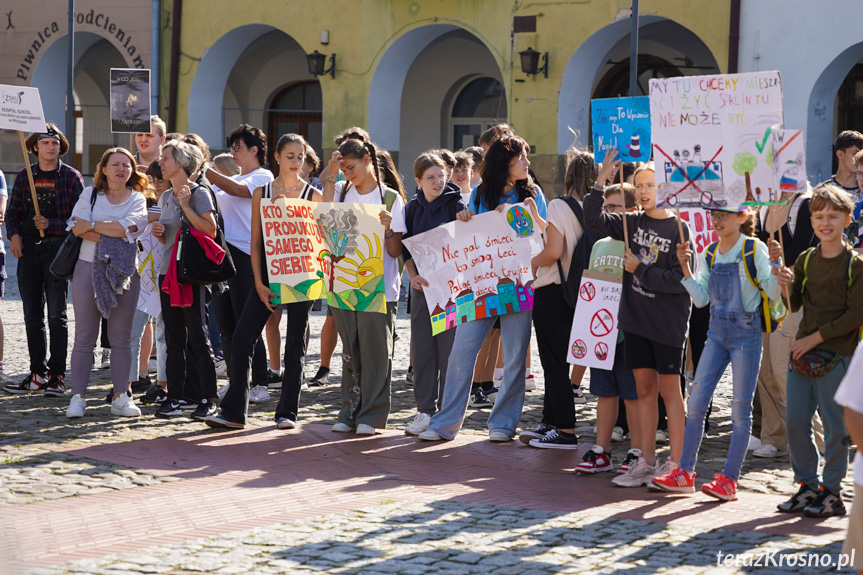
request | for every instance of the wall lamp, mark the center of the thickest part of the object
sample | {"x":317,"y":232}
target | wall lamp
{"x":530,"y":62}
{"x":317,"y":61}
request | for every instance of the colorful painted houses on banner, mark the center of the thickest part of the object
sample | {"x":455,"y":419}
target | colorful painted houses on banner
{"x":509,"y":297}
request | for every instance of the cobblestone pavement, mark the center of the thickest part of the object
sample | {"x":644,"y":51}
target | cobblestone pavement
{"x":457,"y":538}
{"x":34,"y":433}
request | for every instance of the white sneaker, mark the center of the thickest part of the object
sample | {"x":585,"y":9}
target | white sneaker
{"x":661,"y":436}
{"x":341,"y":428}
{"x":430,"y":435}
{"x":769,"y":451}
{"x":76,"y":407}
{"x":221,"y":366}
{"x":754,"y":443}
{"x":667,"y":466}
{"x":363,"y":429}
{"x":617,"y":434}
{"x":153,"y":364}
{"x":578,"y":395}
{"x":638,"y":475}
{"x":125,"y":406}
{"x":420,"y":424}
{"x":223,"y":391}
{"x":106,"y":359}
{"x":259,"y":394}
{"x":529,"y":383}
{"x":501,"y":437}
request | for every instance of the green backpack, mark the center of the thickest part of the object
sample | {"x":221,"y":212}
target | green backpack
{"x":772,"y":312}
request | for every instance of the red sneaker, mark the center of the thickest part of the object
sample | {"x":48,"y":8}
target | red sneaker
{"x":629,"y":461}
{"x":675,"y":481}
{"x":595,"y":461}
{"x":723,"y":488}
{"x":33,"y":382}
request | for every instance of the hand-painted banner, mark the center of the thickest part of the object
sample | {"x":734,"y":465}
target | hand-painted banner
{"x":332,"y":250}
{"x":623,"y":123}
{"x":21,"y":109}
{"x":479,"y":268}
{"x":700,"y":226}
{"x":593,"y":337}
{"x":712,"y":139}
{"x":150,"y":259}
{"x":789,"y":161}
{"x":130,"y":101}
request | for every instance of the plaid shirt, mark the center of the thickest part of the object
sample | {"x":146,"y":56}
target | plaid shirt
{"x":67,"y":187}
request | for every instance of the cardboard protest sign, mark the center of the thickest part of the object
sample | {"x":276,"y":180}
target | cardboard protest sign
{"x":150,"y":258}
{"x":333,"y":250}
{"x":21,"y":109}
{"x":477,"y":269}
{"x":712,"y":138}
{"x":593,"y":338}
{"x":130,"y":101}
{"x":700,"y":226}
{"x":623,"y":123}
{"x":789,"y":161}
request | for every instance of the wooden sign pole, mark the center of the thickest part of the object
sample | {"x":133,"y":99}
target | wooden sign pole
{"x":30,"y":177}
{"x":623,"y":216}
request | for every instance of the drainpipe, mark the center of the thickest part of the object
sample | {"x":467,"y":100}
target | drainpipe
{"x":734,"y":37}
{"x":156,"y":51}
{"x":175,"y":65}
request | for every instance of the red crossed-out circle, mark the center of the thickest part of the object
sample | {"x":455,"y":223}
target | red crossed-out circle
{"x":587,"y":291}
{"x":601,"y":351}
{"x":579,"y":349}
{"x":601,"y":323}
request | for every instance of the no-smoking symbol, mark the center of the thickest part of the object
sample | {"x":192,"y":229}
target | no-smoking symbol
{"x":579,"y":349}
{"x":601,"y":323}
{"x":587,"y":291}
{"x":601,"y":351}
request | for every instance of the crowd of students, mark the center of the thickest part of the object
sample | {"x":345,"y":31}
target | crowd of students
{"x":172,"y":183}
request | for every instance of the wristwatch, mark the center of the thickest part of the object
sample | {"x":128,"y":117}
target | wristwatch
{"x":93,"y":226}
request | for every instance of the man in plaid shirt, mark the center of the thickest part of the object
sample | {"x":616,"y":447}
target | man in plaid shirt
{"x":57,"y":189}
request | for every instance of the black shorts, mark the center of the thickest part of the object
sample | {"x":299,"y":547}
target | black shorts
{"x":641,"y":353}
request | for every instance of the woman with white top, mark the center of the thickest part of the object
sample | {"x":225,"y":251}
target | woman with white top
{"x":119,"y":211}
{"x":367,"y":337}
{"x":234,"y":194}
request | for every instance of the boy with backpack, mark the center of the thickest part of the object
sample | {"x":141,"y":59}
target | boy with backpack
{"x":828,"y":284}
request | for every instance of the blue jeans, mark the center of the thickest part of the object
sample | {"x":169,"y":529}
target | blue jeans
{"x":738,"y":340}
{"x":515,"y":337}
{"x":803,"y":396}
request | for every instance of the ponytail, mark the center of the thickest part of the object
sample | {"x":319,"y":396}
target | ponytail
{"x":373,"y":155}
{"x":747,"y":228}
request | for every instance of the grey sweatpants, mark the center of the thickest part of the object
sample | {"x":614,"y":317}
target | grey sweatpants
{"x":87,"y":328}
{"x":367,"y":366}
{"x":430,"y":356}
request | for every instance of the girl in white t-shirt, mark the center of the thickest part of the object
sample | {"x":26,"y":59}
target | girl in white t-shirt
{"x":367,"y":337}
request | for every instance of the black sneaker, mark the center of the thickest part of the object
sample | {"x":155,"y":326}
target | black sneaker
{"x":274,"y":380}
{"x":827,"y":504}
{"x":154,"y":396}
{"x":187,"y":405}
{"x":478,"y":399}
{"x":204,"y":410}
{"x":322,"y":377}
{"x":537,"y":432}
{"x":30,"y":383}
{"x":556,"y":439}
{"x":799,"y":501}
{"x":55,"y":386}
{"x":142,"y":383}
{"x":169,"y":409}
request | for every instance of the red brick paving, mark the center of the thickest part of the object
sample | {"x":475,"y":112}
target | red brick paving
{"x":237,"y":480}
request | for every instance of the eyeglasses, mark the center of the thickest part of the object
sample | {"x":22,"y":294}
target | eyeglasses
{"x":719,"y":215}
{"x":237,"y":147}
{"x":858,"y":175}
{"x":612,"y":208}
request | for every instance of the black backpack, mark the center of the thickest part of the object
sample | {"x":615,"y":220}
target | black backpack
{"x":580,"y":256}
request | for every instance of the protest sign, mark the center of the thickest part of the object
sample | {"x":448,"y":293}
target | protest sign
{"x":477,"y":269}
{"x":130,"y":101}
{"x":21,"y":109}
{"x":593,"y":337}
{"x":316,"y":250}
{"x":150,"y":258}
{"x":712,"y":138}
{"x":700,"y":226}
{"x":789,"y":161}
{"x":623,"y":123}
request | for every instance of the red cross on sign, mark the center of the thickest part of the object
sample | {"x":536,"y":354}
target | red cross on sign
{"x":579,"y":349}
{"x":601,"y":351}
{"x":602,"y":323}
{"x":587,"y":291}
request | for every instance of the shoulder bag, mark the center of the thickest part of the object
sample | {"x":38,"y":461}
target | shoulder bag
{"x":193,"y":265}
{"x":63,"y":264}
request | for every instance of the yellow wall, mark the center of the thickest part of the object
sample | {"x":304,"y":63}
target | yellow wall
{"x":361,"y":31}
